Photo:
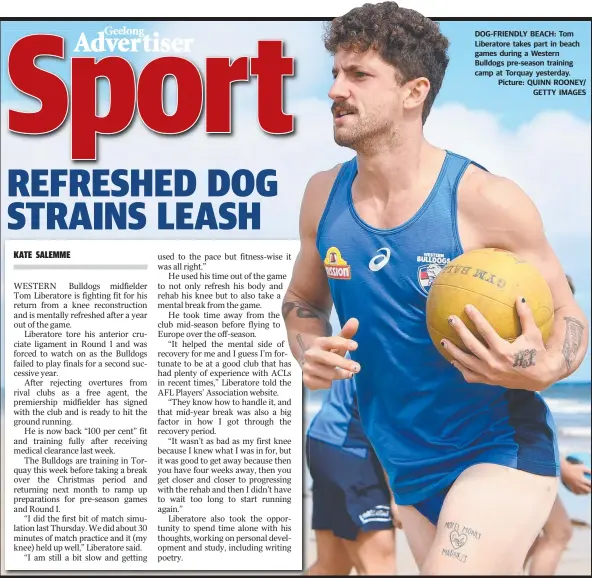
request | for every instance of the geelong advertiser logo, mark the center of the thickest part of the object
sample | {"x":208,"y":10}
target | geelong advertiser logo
{"x":335,"y":266}
{"x":126,"y":39}
{"x":141,"y":92}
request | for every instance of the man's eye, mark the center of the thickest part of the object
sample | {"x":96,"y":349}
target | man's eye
{"x":360,"y":74}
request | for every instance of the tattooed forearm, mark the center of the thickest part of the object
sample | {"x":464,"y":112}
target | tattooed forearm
{"x":574,"y":331}
{"x":303,"y":347}
{"x":525,"y":358}
{"x":306,"y":311}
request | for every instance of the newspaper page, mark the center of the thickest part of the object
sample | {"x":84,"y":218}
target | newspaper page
{"x":219,"y":238}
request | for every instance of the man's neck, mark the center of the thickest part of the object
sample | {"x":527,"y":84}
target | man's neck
{"x":396,"y":171}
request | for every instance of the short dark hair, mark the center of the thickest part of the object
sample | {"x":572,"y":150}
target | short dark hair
{"x":410,"y":42}
{"x":571,"y":284}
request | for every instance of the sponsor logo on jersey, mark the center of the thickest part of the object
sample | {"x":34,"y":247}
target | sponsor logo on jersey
{"x":335,"y":266}
{"x":426,"y":274}
{"x":380,"y":260}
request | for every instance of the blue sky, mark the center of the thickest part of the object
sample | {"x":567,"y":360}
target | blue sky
{"x":512,"y":107}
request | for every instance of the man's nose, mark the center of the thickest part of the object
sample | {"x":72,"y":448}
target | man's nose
{"x":339,"y":89}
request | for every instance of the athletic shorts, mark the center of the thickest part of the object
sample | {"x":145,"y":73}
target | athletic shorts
{"x":432,"y":506}
{"x":349,"y":492}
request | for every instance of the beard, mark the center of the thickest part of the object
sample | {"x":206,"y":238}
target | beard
{"x":365,"y":134}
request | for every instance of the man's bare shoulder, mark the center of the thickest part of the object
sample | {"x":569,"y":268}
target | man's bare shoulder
{"x":494,"y":206}
{"x":481,"y":192}
{"x":315,"y":198}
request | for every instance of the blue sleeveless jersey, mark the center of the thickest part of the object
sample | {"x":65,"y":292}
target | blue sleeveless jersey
{"x":425,"y":422}
{"x":338,"y":421}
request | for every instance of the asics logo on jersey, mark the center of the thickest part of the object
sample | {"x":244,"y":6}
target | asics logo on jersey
{"x":380,"y":260}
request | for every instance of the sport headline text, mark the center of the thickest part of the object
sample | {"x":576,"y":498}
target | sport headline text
{"x":144,"y":94}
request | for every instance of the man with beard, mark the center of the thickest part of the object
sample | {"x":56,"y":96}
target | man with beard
{"x":470,"y":447}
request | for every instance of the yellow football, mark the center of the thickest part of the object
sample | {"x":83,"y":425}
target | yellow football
{"x":491,"y":280}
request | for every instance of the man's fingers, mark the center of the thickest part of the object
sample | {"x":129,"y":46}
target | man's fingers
{"x":331,"y":360}
{"x":470,"y":376}
{"x":484,"y":327}
{"x":314,"y":383}
{"x":466,"y":360}
{"x":350,"y":328}
{"x":342,"y":373}
{"x":527,"y":322}
{"x":325,"y":372}
{"x":470,"y":341}
{"x":336,"y":343}
{"x":326,"y":361}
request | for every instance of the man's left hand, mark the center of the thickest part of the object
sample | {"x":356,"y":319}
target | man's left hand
{"x":523,"y":364}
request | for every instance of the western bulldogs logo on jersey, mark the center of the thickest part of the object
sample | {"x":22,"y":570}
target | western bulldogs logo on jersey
{"x":426,"y":274}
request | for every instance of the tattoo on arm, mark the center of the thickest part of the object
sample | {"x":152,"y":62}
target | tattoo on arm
{"x":306,"y":311}
{"x":525,"y":358}
{"x":303,"y":347}
{"x":574,"y":331}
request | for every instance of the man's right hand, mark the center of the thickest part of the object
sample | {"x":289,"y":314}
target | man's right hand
{"x":324,"y":361}
{"x":573,"y":476}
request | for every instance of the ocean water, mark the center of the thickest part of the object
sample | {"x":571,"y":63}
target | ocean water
{"x":570,"y":405}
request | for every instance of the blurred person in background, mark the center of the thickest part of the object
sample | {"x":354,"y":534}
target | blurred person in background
{"x":353,"y":512}
{"x":546,"y":552}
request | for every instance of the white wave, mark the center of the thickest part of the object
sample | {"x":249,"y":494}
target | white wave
{"x":569,"y":446}
{"x":568,"y":406}
{"x":575,"y":431}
